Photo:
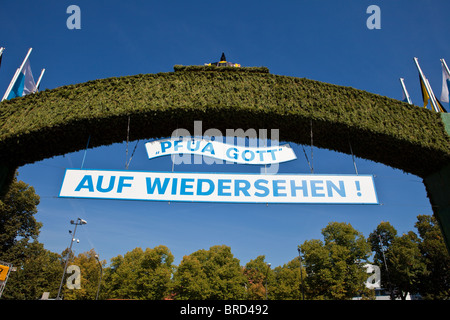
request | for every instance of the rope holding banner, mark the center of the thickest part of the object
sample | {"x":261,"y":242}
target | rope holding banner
{"x":312,"y":155}
{"x":173,"y":156}
{"x":132,"y":154}
{"x":128,"y":138}
{"x":85,"y":151}
{"x":307,"y":160}
{"x":353,"y":157}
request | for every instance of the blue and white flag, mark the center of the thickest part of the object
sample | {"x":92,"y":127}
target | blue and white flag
{"x":445,"y":82}
{"x":24,"y":83}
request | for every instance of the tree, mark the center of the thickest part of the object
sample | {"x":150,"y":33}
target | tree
{"x":89,"y":274}
{"x":335,"y":267}
{"x":191,"y":280}
{"x":435,"y":282}
{"x":19,"y":230}
{"x":406,"y":264}
{"x":39,"y":272}
{"x":140,"y":274}
{"x":17,"y":223}
{"x":399,"y":259}
{"x":257,"y":272}
{"x":212,"y":274}
{"x":381,"y":240}
{"x":286,"y":284}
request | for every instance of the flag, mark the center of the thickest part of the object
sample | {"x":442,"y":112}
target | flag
{"x":406,"y":97}
{"x":445,"y":82}
{"x":24,"y":83}
{"x":1,"y":55}
{"x":441,"y":108}
{"x":425,"y":95}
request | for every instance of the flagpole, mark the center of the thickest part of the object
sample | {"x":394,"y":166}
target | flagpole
{"x":427,"y":86}
{"x":1,"y":53}
{"x":445,"y":66}
{"x":11,"y":84}
{"x":16,"y":75}
{"x":405,"y":91}
{"x":433,"y":98}
{"x":39,"y":80}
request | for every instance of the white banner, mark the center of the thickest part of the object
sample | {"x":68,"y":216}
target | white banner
{"x":219,"y":187}
{"x":219,"y":150}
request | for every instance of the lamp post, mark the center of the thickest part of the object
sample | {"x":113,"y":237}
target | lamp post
{"x":301,"y":272}
{"x":78,"y":222}
{"x":100,"y":280}
{"x":391,"y":293}
{"x":268,"y":268}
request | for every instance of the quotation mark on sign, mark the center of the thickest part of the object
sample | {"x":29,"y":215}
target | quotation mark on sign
{"x":74,"y":20}
{"x":374,"y":21}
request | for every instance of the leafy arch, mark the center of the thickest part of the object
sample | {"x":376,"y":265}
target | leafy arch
{"x":381,"y":129}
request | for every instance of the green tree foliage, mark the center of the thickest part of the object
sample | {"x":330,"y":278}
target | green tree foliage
{"x":286,"y":283}
{"x":37,"y":269}
{"x":435,"y":282}
{"x":381,"y":240}
{"x":139,"y":274}
{"x":382,"y":237}
{"x":18,"y":227}
{"x":210,"y":274}
{"x":335,"y":267}
{"x":413,"y":264}
{"x":257,"y":272}
{"x":406,"y":265}
{"x":90,"y":276}
{"x":39,"y":272}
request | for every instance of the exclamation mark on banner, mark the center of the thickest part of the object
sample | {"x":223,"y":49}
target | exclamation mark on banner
{"x":358,"y":188}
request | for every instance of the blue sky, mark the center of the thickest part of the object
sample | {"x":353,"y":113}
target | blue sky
{"x":322,"y":40}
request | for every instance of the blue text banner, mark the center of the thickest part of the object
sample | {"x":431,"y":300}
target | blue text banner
{"x":219,"y":187}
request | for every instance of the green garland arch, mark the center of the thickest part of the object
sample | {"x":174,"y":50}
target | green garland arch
{"x":59,"y":121}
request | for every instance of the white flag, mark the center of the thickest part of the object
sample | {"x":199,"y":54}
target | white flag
{"x":445,"y":82}
{"x":29,"y":86}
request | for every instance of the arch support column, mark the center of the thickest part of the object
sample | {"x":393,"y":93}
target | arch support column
{"x":438,"y":190}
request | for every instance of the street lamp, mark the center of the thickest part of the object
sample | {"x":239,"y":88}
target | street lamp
{"x":391,"y":293}
{"x":267,"y":273}
{"x":101,"y":273}
{"x":78,"y":222}
{"x":301,"y":272}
